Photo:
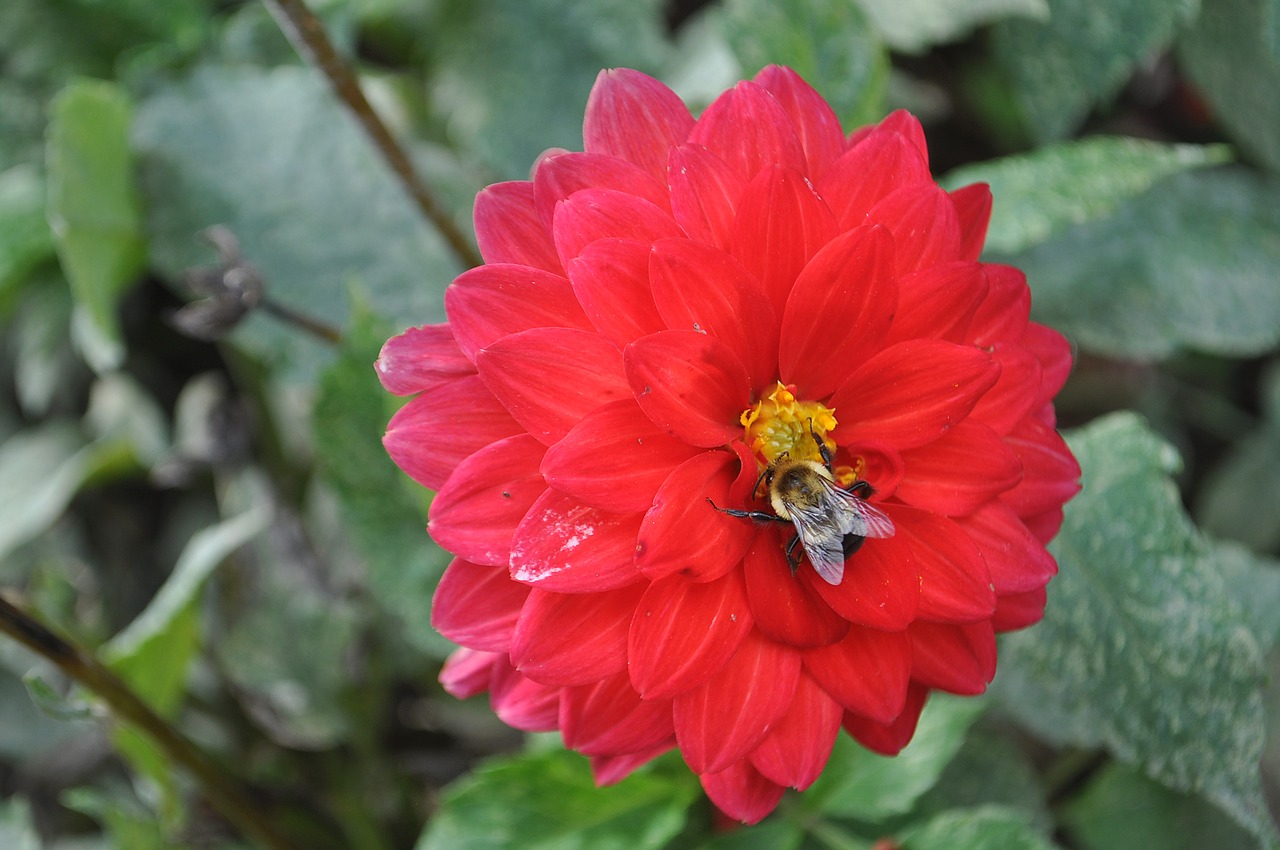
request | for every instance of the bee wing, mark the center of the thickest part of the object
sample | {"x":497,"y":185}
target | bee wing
{"x":854,"y":515}
{"x":822,"y":540}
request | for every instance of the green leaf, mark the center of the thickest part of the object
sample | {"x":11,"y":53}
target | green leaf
{"x":1190,"y":264}
{"x":1080,"y":56}
{"x":1122,"y":809}
{"x":272,"y":157}
{"x":773,"y":834}
{"x":154,"y":652}
{"x":94,"y":210}
{"x":17,"y":832}
{"x":861,"y":784}
{"x":990,"y":768}
{"x":976,"y":829}
{"x":1254,"y":583}
{"x":25,"y":238}
{"x":348,"y":420}
{"x":1142,"y":650}
{"x":913,"y":26}
{"x":1230,"y":56}
{"x":1044,"y":192}
{"x":41,"y":469}
{"x":548,"y":801}
{"x":829,"y":43}
{"x":512,"y":76}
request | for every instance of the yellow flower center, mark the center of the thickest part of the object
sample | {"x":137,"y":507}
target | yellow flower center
{"x":780,"y":424}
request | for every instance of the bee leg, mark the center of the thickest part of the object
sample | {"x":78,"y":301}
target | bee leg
{"x":758,"y":516}
{"x":793,"y":558}
{"x":828,"y":459}
{"x":861,"y":489}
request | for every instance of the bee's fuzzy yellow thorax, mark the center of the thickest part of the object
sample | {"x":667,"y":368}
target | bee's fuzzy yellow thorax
{"x":779,"y":424}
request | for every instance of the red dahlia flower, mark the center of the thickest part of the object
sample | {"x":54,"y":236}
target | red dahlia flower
{"x":660,"y":319}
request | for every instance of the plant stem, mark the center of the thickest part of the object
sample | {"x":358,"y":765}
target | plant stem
{"x":305,"y":31}
{"x":223,"y":790}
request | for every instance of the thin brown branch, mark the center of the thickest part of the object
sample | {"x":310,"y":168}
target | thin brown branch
{"x":222,"y":790}
{"x":305,"y":31}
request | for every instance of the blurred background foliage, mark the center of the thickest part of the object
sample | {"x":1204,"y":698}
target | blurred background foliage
{"x":215,"y":517}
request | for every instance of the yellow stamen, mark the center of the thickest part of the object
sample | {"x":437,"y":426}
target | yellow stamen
{"x":780,"y":424}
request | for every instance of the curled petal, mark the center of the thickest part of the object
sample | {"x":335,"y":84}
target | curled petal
{"x":432,"y":434}
{"x":1053,"y":352}
{"x":478,"y":508}
{"x":606,"y":770}
{"x":1016,"y":560}
{"x":608,"y":717}
{"x":683,"y":534}
{"x":742,"y":792}
{"x":509,"y":230}
{"x":611,"y":279}
{"x":468,"y":672}
{"x":421,"y":358}
{"x":1013,"y":397}
{"x":973,"y":206}
{"x":814,"y":120}
{"x":521,"y":702}
{"x":957,"y":659}
{"x":689,"y":384}
{"x":867,"y":672}
{"x":548,"y":379}
{"x":566,"y":546}
{"x":684,"y":632}
{"x":1002,"y":315}
{"x":889,"y":738}
{"x":493,"y":300}
{"x":1051,"y":475}
{"x":558,"y":177}
{"x":477,"y":606}
{"x":772,"y":141}
{"x":1019,"y":610}
{"x":914,"y":392}
{"x":573,"y":638}
{"x":799,"y":744}
{"x":592,"y":214}
{"x":615,"y":459}
{"x":960,"y":471}
{"x":723,"y":719}
{"x":787,"y":608}
{"x":633,"y":116}
{"x":955,"y":585}
{"x":839,"y":310}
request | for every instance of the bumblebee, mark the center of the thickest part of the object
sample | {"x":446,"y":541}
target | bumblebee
{"x":831,"y":522}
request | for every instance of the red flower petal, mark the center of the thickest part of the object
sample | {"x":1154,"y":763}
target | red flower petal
{"x":684,"y":632}
{"x":1002,"y":315}
{"x":867,"y":672}
{"x":682,"y":533}
{"x":521,"y":702}
{"x":889,"y":738}
{"x":955,"y":585}
{"x":814,"y":120}
{"x":881,"y":586}
{"x":573,"y":638}
{"x":704,"y":195}
{"x":973,"y":206}
{"x":549,"y":378}
{"x":781,"y":225}
{"x":559,"y":176}
{"x":797,"y":748}
{"x":924,"y":224}
{"x":1014,"y":395}
{"x":607,"y":770}
{"x":477,"y":606}
{"x":468,"y":672}
{"x":699,"y":288}
{"x":508,"y":229}
{"x":1054,"y":353}
{"x":839,"y":311}
{"x":1051,"y":475}
{"x":421,"y":358}
{"x":726,"y":717}
{"x":491,"y":301}
{"x":478,"y":508}
{"x":432,"y":434}
{"x":912,"y":393}
{"x":787,"y":608}
{"x":615,"y":459}
{"x":902,"y":121}
{"x":593,"y":214}
{"x":608,"y":717}
{"x":689,"y":384}
{"x":1019,"y":610}
{"x":960,"y":471}
{"x":742,"y":792}
{"x":772,"y":140}
{"x":1016,"y":560}
{"x":635,"y":117}
{"x":566,"y":546}
{"x":957,"y":659}
{"x":877,"y":165}
{"x":938,"y":302}
{"x":611,"y":279}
